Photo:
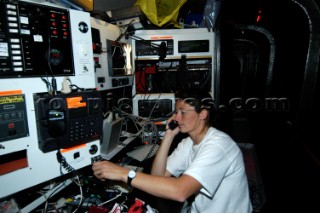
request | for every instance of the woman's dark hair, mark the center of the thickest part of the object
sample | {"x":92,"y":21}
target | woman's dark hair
{"x":199,"y":99}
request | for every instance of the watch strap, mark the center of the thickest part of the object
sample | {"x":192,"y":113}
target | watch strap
{"x":129,"y":180}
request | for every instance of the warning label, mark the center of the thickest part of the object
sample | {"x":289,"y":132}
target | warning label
{"x":11,"y":99}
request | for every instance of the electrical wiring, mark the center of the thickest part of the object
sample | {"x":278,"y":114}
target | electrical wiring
{"x":48,"y":84}
{"x":150,"y":133}
{"x":124,"y":31}
{"x":112,"y":199}
{"x":119,"y":108}
{"x":48,"y":193}
{"x":116,"y":208}
{"x":146,"y":128}
{"x":154,"y":106}
{"x":114,"y":50}
{"x":132,"y":117}
{"x":77,"y":87}
{"x":44,"y":210}
{"x":92,"y":201}
{"x":81,"y":192}
{"x":105,"y":115}
{"x":43,"y":193}
{"x":97,"y":194}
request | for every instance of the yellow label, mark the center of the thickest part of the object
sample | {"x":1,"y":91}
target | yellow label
{"x":11,"y":99}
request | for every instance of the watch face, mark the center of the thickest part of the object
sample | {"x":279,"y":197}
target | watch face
{"x":132,"y":174}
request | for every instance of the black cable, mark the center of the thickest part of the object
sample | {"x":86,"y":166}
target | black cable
{"x":48,"y":85}
{"x":125,"y":31}
{"x":54,"y":85}
{"x":79,"y":88}
{"x":62,"y":160}
{"x":63,"y":163}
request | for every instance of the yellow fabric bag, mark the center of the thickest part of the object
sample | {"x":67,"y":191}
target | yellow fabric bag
{"x":161,"y":12}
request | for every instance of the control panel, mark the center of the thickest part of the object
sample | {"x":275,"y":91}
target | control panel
{"x":189,"y":60}
{"x":35,"y":40}
{"x":13,"y":117}
{"x":44,"y":45}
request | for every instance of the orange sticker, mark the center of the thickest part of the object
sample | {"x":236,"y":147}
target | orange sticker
{"x":10,"y":92}
{"x":72,"y":148}
{"x":160,"y":37}
{"x":75,"y":102}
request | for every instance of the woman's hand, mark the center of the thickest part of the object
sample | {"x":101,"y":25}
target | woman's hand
{"x":107,"y":170}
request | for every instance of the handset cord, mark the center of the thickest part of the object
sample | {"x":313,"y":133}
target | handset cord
{"x":151,"y":151}
{"x":62,"y":160}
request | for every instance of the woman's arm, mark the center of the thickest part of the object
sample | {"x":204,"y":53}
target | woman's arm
{"x":160,"y":162}
{"x":178,"y":189}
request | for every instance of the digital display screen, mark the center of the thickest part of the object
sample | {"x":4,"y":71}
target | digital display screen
{"x":151,"y":47}
{"x":193,"y":46}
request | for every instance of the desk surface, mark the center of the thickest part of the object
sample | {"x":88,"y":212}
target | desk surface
{"x":119,"y":148}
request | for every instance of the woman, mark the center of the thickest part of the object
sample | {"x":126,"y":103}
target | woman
{"x":208,"y":164}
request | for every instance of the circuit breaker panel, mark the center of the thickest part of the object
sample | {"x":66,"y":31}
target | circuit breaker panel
{"x":35,"y":40}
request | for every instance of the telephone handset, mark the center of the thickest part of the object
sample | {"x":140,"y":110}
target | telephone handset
{"x":56,"y":123}
{"x":173,"y":124}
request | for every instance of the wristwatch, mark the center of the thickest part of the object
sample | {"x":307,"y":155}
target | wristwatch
{"x":132,"y":174}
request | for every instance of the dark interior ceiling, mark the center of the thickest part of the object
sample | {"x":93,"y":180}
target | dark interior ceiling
{"x":106,"y":5}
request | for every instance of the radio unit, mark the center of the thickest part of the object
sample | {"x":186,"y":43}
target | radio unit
{"x":151,"y":47}
{"x":66,"y":120}
{"x":154,"y":105}
{"x":193,"y":43}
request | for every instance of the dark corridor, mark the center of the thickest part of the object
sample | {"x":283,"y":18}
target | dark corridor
{"x":269,"y":94}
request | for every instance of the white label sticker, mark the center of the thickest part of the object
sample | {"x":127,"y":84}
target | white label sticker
{"x":24,"y":20}
{"x":4,"y":49}
{"x":38,"y":38}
